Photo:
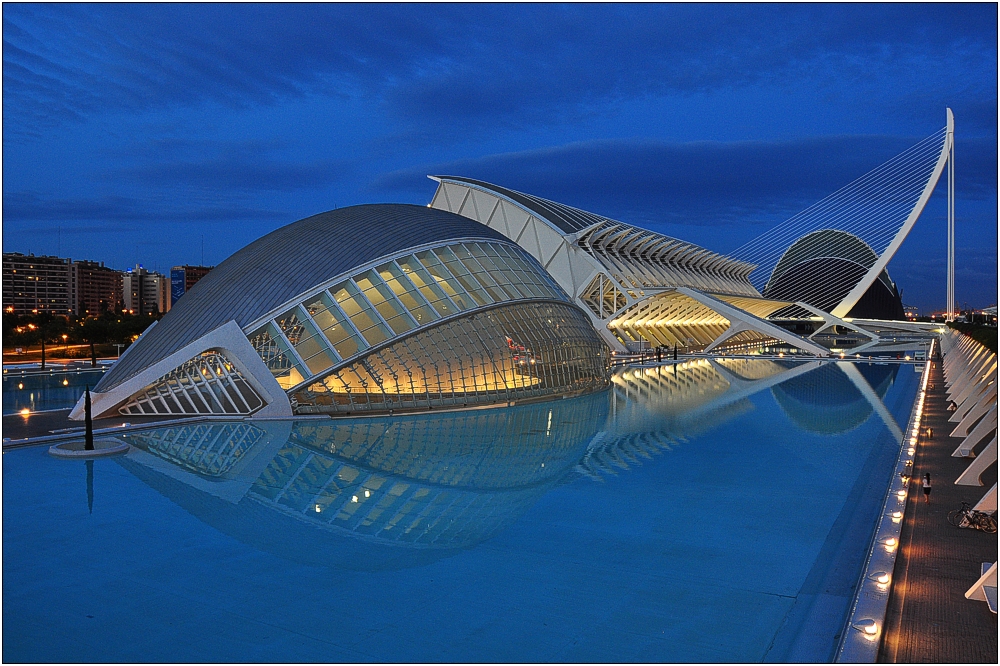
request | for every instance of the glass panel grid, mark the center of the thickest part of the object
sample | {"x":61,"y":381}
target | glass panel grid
{"x":506,"y":354}
{"x":392,"y":299}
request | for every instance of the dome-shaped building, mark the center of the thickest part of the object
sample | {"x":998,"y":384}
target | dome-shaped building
{"x":363,"y":309}
{"x":823,"y":266}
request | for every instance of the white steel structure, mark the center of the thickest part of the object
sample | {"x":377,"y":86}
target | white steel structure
{"x":375,"y":308}
{"x":825,"y":265}
{"x":860,"y":227}
{"x":638,"y":286}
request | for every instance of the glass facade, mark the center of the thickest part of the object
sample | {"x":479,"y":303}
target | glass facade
{"x":207,"y":384}
{"x":501,"y":354}
{"x":337,"y":322}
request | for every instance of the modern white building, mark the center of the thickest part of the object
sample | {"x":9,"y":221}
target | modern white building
{"x":823,"y":270}
{"x":491,"y":296}
{"x":375,"y":308}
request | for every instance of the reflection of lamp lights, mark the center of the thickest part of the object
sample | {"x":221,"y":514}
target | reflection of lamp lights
{"x":868,"y":628}
{"x":901,"y":494}
{"x":881,"y":579}
{"x":890,"y":545}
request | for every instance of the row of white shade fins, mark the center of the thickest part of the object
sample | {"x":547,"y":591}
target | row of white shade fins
{"x":970,"y":373}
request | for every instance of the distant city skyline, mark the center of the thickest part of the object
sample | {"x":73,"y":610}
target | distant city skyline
{"x":132,"y":131}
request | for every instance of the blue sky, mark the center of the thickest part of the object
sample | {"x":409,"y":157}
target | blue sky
{"x":132,"y":132}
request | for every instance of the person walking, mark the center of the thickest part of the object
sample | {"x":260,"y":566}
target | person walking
{"x":927,"y":488}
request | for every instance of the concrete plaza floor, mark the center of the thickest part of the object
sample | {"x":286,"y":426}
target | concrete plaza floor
{"x":928,"y":619}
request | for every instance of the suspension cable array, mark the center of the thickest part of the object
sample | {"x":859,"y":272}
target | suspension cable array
{"x":856,"y":224}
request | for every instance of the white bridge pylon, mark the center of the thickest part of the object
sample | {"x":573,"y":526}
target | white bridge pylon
{"x":877,"y":211}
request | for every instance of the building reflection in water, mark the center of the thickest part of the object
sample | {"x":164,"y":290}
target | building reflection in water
{"x":390,"y":492}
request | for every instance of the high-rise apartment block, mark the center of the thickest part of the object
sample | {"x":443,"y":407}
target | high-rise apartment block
{"x":145,"y":292}
{"x":38,"y":284}
{"x":182,"y":278}
{"x":98,"y":288}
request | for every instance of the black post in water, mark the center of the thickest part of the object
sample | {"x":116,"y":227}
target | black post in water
{"x":93,"y":355}
{"x":675,"y":351}
{"x":43,"y":353}
{"x":90,"y":485}
{"x":89,"y":441}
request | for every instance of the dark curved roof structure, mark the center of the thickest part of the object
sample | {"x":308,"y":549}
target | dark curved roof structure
{"x":286,"y":262}
{"x":822,"y":267}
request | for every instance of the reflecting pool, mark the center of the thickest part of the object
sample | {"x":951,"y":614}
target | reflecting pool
{"x":712,"y":510}
{"x":43,"y":391}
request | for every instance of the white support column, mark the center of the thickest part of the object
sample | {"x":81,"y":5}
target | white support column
{"x":970,"y":477}
{"x":988,"y":579}
{"x":985,"y":401}
{"x":977,"y":435}
{"x":950,"y":139}
{"x":989,"y":501}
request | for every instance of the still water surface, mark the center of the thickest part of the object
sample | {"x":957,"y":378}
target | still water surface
{"x":709,"y":511}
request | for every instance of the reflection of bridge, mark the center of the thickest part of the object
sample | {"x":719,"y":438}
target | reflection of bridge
{"x":438,"y":482}
{"x":655,"y":408}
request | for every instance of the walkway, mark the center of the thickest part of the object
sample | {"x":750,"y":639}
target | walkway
{"x":928,"y":619}
{"x":42,"y":424}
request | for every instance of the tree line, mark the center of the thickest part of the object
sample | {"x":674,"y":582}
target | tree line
{"x":118,"y":328}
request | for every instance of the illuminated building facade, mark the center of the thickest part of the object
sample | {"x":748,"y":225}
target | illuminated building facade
{"x":182,"y":278}
{"x":98,"y":288}
{"x":145,"y":292}
{"x":37,"y":284}
{"x":374,"y":308}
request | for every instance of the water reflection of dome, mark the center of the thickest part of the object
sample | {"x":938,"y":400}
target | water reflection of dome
{"x":372,"y":493}
{"x":825,"y":400}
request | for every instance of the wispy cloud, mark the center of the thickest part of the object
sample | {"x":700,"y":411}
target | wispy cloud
{"x":35,"y":207}
{"x":232,"y":167}
{"x":439,"y":63}
{"x":698,"y":183}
